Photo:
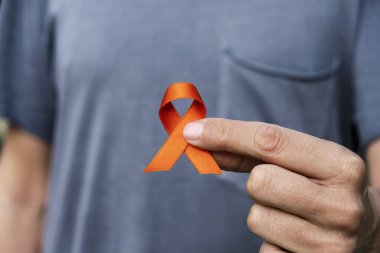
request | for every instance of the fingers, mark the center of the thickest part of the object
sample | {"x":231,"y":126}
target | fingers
{"x":276,"y":187}
{"x":302,"y":153}
{"x":294,"y":233}
{"x":266,"y":247}
{"x":235,"y":162}
{"x":309,"y":196}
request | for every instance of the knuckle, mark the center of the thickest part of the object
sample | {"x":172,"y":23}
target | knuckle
{"x":269,"y":138}
{"x":219,"y":131}
{"x":259,"y":180}
{"x":253,"y":218}
{"x":341,"y":244}
{"x":349,"y":216}
{"x":354,"y":214}
{"x":222,"y":132}
{"x":354,"y":167}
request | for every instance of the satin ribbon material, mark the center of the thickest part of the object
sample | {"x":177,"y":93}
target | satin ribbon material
{"x":174,"y":124}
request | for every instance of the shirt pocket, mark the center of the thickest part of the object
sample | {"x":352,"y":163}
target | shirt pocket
{"x":305,"y":100}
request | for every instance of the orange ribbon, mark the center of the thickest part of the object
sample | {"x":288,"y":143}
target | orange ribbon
{"x":176,"y":144}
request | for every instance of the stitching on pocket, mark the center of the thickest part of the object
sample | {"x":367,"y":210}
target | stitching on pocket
{"x":283,"y":72}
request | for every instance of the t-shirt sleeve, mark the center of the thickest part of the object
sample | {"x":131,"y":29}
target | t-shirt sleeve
{"x":367,"y":74}
{"x":26,"y":94}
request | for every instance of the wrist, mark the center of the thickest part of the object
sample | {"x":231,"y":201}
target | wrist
{"x":370,"y":233}
{"x":374,"y":199}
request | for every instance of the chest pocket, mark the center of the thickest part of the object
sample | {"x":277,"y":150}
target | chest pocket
{"x":281,"y":64}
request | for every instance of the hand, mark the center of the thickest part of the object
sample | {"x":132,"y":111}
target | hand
{"x":310,"y":193}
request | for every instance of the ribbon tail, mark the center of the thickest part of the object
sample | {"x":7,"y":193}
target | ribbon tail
{"x":202,"y":160}
{"x":169,"y":153}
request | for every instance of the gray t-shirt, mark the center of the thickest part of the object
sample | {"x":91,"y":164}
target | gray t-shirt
{"x":88,"y":77}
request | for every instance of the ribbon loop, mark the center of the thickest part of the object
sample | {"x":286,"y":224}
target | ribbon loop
{"x":174,"y":124}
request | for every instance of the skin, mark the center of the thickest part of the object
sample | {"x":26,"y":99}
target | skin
{"x":373,"y":160}
{"x":311,"y":194}
{"x":286,"y":168}
{"x":24,"y":164}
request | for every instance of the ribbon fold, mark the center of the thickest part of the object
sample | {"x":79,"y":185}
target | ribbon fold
{"x":174,"y":124}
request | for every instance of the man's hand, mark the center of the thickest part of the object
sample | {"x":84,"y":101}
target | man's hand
{"x":310,"y":193}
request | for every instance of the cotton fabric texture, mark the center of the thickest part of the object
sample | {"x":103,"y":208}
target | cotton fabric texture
{"x":88,"y":77}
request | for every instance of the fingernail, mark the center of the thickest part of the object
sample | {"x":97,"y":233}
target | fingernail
{"x":193,"y":131}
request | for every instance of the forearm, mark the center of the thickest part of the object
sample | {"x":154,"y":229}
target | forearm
{"x":21,"y":225}
{"x":23,"y":178}
{"x":373,"y":160}
{"x":374,"y":228}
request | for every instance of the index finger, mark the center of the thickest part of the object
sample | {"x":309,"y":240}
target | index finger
{"x":299,"y":152}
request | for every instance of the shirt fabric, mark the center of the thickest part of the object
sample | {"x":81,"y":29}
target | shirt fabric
{"x":88,"y":77}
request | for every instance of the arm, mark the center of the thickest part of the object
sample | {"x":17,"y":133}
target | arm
{"x":24,"y":165}
{"x":373,"y":159}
